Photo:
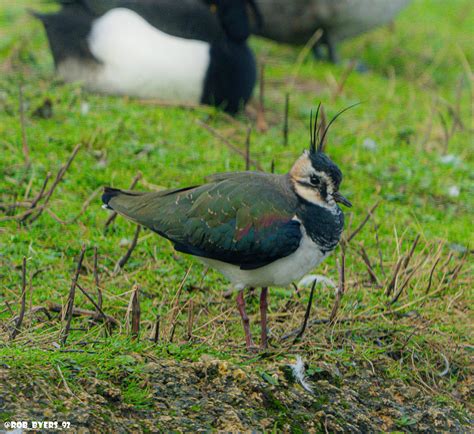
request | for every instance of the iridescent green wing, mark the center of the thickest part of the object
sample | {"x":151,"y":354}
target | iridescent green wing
{"x":246,"y":219}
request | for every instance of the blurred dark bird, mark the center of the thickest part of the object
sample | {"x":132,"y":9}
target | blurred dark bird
{"x":295,"y":21}
{"x":257,"y":229}
{"x":45,"y":110}
{"x":177,"y":51}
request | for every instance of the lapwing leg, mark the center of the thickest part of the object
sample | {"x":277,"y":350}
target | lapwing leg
{"x":245,"y":319}
{"x":263,"y":317}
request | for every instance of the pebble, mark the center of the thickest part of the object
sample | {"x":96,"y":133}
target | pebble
{"x":369,"y":144}
{"x":85,"y":107}
{"x":450,"y":159}
{"x":454,"y":191}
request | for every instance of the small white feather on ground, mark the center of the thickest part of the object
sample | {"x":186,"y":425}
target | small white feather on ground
{"x":299,"y":374}
{"x":308,"y":280}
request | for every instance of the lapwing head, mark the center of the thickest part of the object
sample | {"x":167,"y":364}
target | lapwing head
{"x":316,"y":178}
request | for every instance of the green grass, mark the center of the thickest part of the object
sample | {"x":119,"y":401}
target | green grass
{"x":419,"y":73}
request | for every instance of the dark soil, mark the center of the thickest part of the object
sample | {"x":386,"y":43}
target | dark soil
{"x":213,"y":394}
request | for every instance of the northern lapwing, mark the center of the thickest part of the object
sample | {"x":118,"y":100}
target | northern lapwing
{"x":258,"y":229}
{"x":294,"y":22}
{"x":178,"y":51}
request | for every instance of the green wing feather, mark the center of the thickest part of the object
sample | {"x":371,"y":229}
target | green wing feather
{"x":245,"y":218}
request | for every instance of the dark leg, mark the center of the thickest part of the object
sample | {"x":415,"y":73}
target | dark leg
{"x":319,"y":48}
{"x":263,"y":317}
{"x":318,"y":52}
{"x":332,"y":51}
{"x":326,"y":50}
{"x":329,"y":43}
{"x":245,"y":319}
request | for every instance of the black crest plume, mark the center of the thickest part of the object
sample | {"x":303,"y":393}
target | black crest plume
{"x":315,"y":129}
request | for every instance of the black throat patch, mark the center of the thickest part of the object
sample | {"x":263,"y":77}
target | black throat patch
{"x":322,"y":225}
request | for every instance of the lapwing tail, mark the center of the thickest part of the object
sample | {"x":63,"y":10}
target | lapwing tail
{"x":108,"y":194}
{"x":111,"y":193}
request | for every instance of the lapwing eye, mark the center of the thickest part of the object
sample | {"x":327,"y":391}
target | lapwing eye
{"x":315,"y":180}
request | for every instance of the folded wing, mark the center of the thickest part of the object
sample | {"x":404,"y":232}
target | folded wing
{"x":245,"y":220}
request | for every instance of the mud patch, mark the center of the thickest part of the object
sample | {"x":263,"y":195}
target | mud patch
{"x":215,"y":394}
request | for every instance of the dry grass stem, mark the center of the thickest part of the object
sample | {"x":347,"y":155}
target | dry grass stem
{"x":229,"y":144}
{"x":175,"y":301}
{"x":262,"y":125}
{"x":174,"y":104}
{"x":190,"y":319}
{"x":340,"y":288}
{"x":38,"y":197}
{"x":70,"y":302}
{"x":322,"y":126}
{"x":363,"y":222}
{"x":85,"y":205}
{"x":124,"y":259}
{"x":135,"y":322}
{"x":379,"y":249}
{"x":96,"y":277}
{"x":21,"y":315}
{"x":24,"y":139}
{"x":373,"y":277}
{"x":315,"y":37}
{"x":410,"y":254}
{"x":66,"y":386}
{"x":285,"y":119}
{"x":33,"y":310}
{"x":57,"y":180}
{"x":156,"y":331}
{"x":307,"y":313}
{"x":393,"y":281}
{"x":97,"y":307}
{"x":404,"y":284}
{"x":77,"y":312}
{"x":247,"y":148}
{"x":345,"y":75}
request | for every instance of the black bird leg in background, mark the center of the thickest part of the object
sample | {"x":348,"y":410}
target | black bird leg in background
{"x":318,"y":51}
{"x":263,"y":317}
{"x":245,"y":319}
{"x":332,"y":49}
{"x":330,"y":54}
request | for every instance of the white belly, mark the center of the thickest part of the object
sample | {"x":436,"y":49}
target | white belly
{"x":279,"y":273}
{"x":140,"y":60}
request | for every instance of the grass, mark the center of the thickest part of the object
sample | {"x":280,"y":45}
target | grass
{"x":416,"y":110}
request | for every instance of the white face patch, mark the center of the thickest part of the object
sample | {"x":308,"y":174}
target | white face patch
{"x":312,"y":195}
{"x":139,"y":60}
{"x":301,"y":173}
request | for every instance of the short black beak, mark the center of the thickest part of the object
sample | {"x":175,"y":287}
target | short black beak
{"x":338,"y":197}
